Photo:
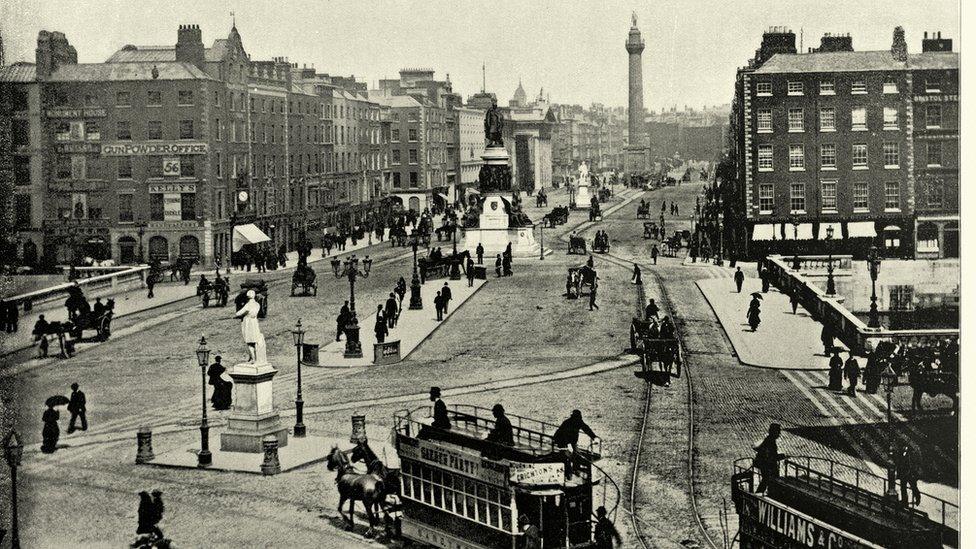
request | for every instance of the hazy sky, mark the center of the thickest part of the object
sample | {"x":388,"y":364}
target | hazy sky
{"x":574,"y":49}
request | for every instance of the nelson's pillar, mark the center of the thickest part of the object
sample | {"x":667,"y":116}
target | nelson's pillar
{"x":636,"y":156}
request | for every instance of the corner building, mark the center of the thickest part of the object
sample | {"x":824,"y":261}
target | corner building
{"x":826,"y":146}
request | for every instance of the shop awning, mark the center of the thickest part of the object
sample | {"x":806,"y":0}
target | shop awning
{"x":803,"y":231}
{"x":763,"y":232}
{"x":861,"y":229}
{"x":248,"y":234}
{"x":835,"y":228}
{"x":441,"y":196}
{"x":892,"y":228}
{"x":470,"y":190}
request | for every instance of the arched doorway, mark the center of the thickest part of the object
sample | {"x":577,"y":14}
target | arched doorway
{"x":158,"y":249}
{"x":950,"y":239}
{"x":892,"y":240}
{"x":414,"y":203}
{"x":189,"y":247}
{"x":127,"y":250}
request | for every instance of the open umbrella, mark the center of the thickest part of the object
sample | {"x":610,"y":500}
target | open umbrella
{"x":757,"y":295}
{"x":57,"y":400}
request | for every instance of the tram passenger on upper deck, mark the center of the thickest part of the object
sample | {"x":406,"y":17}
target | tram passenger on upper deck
{"x":501,"y":433}
{"x":441,"y":421}
{"x":566,"y":437}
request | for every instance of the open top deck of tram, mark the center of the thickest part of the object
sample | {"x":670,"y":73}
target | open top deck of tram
{"x":823,"y":498}
{"x":461,"y":491}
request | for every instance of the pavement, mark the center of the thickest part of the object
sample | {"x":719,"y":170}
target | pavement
{"x":136,"y":300}
{"x":769,"y":346}
{"x":412,"y":328}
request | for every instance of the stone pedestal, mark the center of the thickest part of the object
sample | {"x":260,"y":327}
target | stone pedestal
{"x":522,"y":239}
{"x":583,"y":197}
{"x":493,"y":214}
{"x":254,"y":415}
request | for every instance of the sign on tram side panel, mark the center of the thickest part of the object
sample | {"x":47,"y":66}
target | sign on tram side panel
{"x":764,"y":524}
{"x":445,"y":455}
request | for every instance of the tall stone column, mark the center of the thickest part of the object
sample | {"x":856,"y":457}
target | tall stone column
{"x":636,"y":159}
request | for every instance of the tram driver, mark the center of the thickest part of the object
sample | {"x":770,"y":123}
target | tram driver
{"x":566,"y":438}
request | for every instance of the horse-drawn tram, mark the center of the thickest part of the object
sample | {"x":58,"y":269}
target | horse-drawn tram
{"x":827,"y":505}
{"x":459,"y":490}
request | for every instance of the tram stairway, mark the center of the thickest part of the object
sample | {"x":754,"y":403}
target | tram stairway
{"x":861,"y":512}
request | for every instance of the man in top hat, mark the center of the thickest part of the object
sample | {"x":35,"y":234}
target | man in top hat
{"x":441,"y":421}
{"x":76,"y":405}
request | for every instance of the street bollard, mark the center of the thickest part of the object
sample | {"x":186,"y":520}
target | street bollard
{"x":144,"y":454}
{"x":270,"y":466}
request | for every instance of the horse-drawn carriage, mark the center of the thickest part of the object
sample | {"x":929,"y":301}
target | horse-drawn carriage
{"x":595,"y":213}
{"x":650,"y":229}
{"x":577,"y":245}
{"x":660,"y":360}
{"x":604,"y":194}
{"x":644,"y":212}
{"x":261,"y":295}
{"x":558,"y":216}
{"x":304,"y":278}
{"x":445,"y":232}
{"x":577,"y":278}
{"x":398,"y":236}
{"x":216,"y":291}
{"x":601,"y":243}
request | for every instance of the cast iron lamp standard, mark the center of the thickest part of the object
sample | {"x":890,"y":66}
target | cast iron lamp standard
{"x":416,"y":301}
{"x":204,"y":458}
{"x":874,"y":266}
{"x":13,"y":450}
{"x":298,"y":334}
{"x":350,"y":269}
{"x":831,"y":288}
{"x":890,"y":379}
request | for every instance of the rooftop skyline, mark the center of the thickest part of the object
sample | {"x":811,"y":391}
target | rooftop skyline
{"x":574,"y":50}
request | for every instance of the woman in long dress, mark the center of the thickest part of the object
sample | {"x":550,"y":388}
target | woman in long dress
{"x":249,"y":324}
{"x":51,"y":432}
{"x":221,"y":398}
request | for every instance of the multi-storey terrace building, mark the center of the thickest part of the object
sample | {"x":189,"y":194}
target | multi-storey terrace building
{"x":825,"y":146}
{"x":161,"y":151}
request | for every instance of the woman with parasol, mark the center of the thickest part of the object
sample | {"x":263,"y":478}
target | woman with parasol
{"x":753,"y":315}
{"x":50,"y":433}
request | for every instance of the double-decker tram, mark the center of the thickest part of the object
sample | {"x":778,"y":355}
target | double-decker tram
{"x":460,"y":491}
{"x":824,"y":504}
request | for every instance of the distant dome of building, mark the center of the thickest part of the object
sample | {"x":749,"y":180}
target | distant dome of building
{"x":519,"y":99}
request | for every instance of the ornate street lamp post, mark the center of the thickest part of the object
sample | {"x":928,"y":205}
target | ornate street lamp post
{"x":416,"y":301}
{"x":298,"y":334}
{"x":890,"y":379}
{"x":204,"y":458}
{"x":831,"y":288}
{"x":874,"y":266}
{"x":350,"y":269}
{"x":542,"y":240}
{"x":13,"y":450}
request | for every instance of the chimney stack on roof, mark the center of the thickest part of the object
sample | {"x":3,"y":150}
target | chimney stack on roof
{"x":835,"y":42}
{"x":899,"y":48}
{"x":189,"y":45}
{"x":936,"y":43}
{"x":53,"y":51}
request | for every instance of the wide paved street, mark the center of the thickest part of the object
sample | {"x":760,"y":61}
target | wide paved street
{"x":517,"y":341}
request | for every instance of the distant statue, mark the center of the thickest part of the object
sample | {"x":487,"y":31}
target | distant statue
{"x":633,"y":18}
{"x":584,"y":174}
{"x":493,"y":125}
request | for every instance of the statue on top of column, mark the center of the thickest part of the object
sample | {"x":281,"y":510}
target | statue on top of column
{"x":493,"y":125}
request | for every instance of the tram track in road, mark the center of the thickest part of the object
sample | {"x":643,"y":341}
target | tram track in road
{"x":691,"y":449}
